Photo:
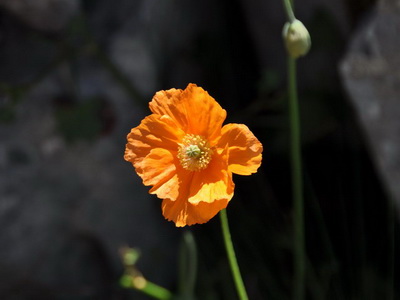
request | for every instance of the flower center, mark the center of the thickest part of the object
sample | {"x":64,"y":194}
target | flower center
{"x":194,"y":152}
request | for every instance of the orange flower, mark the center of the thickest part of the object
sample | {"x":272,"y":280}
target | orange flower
{"x":188,"y":157}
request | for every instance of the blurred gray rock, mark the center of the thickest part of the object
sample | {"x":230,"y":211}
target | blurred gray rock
{"x":371,"y":75}
{"x":156,"y":40}
{"x":67,"y":208}
{"x":46,"y":15}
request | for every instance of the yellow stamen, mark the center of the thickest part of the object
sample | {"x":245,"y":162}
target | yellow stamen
{"x":194,"y":152}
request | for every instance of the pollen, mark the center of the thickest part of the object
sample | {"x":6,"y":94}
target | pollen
{"x":194,"y":152}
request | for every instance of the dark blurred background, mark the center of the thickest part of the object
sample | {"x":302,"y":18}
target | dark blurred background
{"x":75,"y":76}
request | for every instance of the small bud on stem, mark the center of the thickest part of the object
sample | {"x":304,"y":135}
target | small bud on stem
{"x":297,"y":39}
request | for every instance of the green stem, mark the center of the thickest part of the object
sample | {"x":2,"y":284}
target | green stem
{"x":188,"y":265}
{"x":237,"y":277}
{"x":297,"y":184}
{"x":289,"y":10}
{"x":134,"y":280}
{"x":156,"y":291}
{"x":297,"y":180}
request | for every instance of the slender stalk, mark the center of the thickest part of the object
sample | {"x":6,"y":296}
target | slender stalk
{"x":132,"y":279}
{"x":155,"y":291}
{"x":297,"y":184}
{"x":188,"y":265}
{"x":296,"y":166}
{"x":289,"y":10}
{"x":237,"y":277}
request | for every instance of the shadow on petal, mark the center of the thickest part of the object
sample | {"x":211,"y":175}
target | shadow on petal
{"x":183,"y":213}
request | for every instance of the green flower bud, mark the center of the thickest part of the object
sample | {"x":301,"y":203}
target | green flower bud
{"x":129,"y":256}
{"x":297,"y":38}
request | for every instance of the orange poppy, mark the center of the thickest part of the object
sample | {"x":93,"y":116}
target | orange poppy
{"x":188,"y":157}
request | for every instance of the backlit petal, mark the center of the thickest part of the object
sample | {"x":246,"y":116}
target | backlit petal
{"x":153,"y":132}
{"x":213,"y":183}
{"x":183,"y":213}
{"x":175,"y":186}
{"x":193,"y":109}
{"x":187,"y":157}
{"x":169,"y":103}
{"x":157,"y":167}
{"x":206,"y":115}
{"x":243,"y":147}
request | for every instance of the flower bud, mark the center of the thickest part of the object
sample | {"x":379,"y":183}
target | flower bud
{"x":129,"y":256}
{"x":297,"y":38}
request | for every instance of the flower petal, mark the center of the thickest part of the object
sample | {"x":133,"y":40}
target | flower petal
{"x":194,"y":196}
{"x":157,"y":167}
{"x":243,"y":147}
{"x":193,"y":109}
{"x":173,"y":187}
{"x":213,"y":183}
{"x":153,"y":132}
{"x":206,"y":115}
{"x":168,"y":103}
{"x":199,"y":196}
{"x":183,"y":213}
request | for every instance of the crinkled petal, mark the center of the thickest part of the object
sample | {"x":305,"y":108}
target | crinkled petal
{"x":197,"y":196}
{"x":245,"y":150}
{"x":213,"y":183}
{"x":153,"y":132}
{"x":193,"y":109}
{"x":157,"y":167}
{"x":169,"y":103}
{"x":183,"y":213}
{"x":206,"y":115}
{"x":167,"y":188}
{"x":175,"y":186}
{"x":190,"y":197}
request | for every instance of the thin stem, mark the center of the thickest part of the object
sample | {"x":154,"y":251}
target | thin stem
{"x":156,"y":291}
{"x":297,"y":180}
{"x":237,"y":277}
{"x":289,"y":10}
{"x":297,"y":184}
{"x":132,"y":279}
{"x":188,"y":265}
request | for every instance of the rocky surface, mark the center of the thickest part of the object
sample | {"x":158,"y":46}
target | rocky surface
{"x":370,"y":72}
{"x":67,"y":207}
{"x":68,"y":200}
{"x":46,"y":15}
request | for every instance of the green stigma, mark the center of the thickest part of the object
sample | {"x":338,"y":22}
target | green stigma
{"x":193,"y":151}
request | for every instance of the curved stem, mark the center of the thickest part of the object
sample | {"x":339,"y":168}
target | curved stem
{"x":289,"y":10}
{"x":237,"y":277}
